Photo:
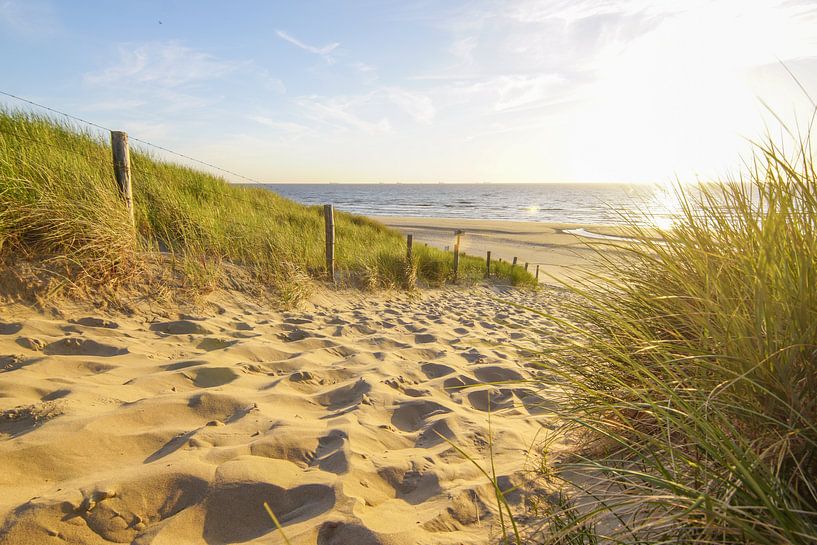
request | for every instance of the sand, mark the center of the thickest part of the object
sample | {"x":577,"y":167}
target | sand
{"x":561,"y":255}
{"x":174,"y":428}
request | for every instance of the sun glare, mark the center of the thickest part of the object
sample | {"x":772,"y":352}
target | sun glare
{"x":664,"y":207}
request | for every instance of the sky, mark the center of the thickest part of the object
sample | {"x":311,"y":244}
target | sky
{"x":426,"y":91}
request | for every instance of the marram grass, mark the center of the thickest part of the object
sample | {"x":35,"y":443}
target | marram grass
{"x":694,"y":388}
{"x":59,"y":207}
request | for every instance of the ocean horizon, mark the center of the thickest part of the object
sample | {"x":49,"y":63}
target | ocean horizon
{"x":581,"y":203}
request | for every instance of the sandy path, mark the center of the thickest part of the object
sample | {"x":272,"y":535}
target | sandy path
{"x":175,"y":429}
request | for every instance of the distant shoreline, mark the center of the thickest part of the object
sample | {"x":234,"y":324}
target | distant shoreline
{"x":557,"y":248}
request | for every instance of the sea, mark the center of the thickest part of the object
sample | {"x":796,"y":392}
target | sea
{"x":582,"y":203}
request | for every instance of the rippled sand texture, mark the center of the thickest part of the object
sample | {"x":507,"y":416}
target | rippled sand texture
{"x":176,"y":429}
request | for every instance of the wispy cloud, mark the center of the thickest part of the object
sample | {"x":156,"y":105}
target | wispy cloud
{"x":375,"y":112}
{"x":324,"y":51}
{"x":164,"y":64}
{"x":340,"y":113}
{"x":28,"y":18}
{"x":170,"y":76}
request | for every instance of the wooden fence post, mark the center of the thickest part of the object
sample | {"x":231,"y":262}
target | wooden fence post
{"x":488,"y":264}
{"x":409,"y":244}
{"x":457,"y":235}
{"x":514,"y":262}
{"x":537,"y":273}
{"x":329,"y":223}
{"x":121,"y":168}
{"x":526,"y":266}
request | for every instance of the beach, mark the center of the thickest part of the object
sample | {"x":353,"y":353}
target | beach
{"x":560,"y":253}
{"x":352,"y":417}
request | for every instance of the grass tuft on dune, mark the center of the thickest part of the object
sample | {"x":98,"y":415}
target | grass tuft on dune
{"x":693,"y":390}
{"x":59,"y":207}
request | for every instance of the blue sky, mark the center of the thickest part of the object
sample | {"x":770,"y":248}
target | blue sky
{"x":455,"y":90}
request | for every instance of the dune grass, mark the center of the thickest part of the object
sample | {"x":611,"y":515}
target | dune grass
{"x":693,"y":390}
{"x":59,"y":207}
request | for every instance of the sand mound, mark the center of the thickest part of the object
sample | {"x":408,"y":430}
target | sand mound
{"x":164,"y":431}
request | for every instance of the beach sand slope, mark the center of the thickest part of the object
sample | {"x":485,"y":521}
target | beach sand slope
{"x":169,"y":429}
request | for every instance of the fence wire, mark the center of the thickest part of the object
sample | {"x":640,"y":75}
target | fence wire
{"x":133,"y":138}
{"x":254,"y":203}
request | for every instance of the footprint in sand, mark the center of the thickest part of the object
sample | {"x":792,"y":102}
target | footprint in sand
{"x":242,"y":326}
{"x":410,"y":416}
{"x":345,"y":395}
{"x":91,"y":321}
{"x":75,"y":346}
{"x":183,"y":365}
{"x":304,"y":376}
{"x":490,"y":400}
{"x":472,"y":356}
{"x":12,"y":363}
{"x":10,"y":328}
{"x":331,"y":454}
{"x":342,"y":533}
{"x":31,"y":343}
{"x":438,"y":431}
{"x":458,"y":383}
{"x":232,"y":513}
{"x":297,"y":321}
{"x":436,"y":370}
{"x":21,"y":420}
{"x":423,"y":338}
{"x":180,"y":327}
{"x":212,"y":343}
{"x":210,"y":377}
{"x":496,"y":373}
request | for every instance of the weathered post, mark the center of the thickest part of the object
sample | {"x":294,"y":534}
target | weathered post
{"x":526,"y":266}
{"x":514,"y":262}
{"x":537,"y":273}
{"x":409,"y":244}
{"x":488,"y":264}
{"x":457,"y":234}
{"x":121,"y":168}
{"x":329,"y":223}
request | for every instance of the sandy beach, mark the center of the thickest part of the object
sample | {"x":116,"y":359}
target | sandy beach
{"x":559,"y":253}
{"x":175,"y":427}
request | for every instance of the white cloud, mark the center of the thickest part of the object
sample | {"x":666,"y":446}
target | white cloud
{"x":339,"y":112}
{"x":324,"y":51}
{"x":164,"y":64}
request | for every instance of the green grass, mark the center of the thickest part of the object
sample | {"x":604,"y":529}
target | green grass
{"x":59,"y":207}
{"x":693,"y":390}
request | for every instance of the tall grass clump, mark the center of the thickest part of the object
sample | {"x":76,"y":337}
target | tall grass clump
{"x":693,"y":389}
{"x":59,"y":208}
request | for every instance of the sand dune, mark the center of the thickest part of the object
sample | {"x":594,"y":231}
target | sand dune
{"x":173,"y":429}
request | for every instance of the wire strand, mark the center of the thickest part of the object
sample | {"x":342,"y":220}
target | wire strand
{"x":145,"y":142}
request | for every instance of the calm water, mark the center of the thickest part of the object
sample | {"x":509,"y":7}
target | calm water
{"x":599,"y":204}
